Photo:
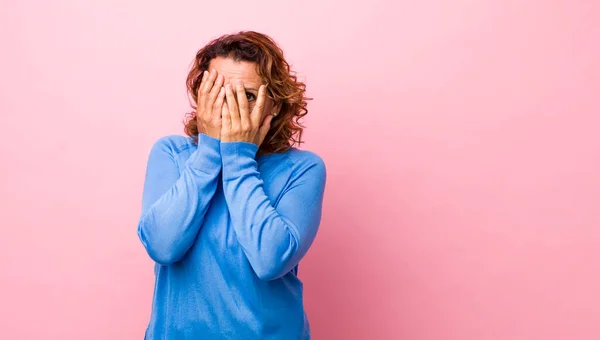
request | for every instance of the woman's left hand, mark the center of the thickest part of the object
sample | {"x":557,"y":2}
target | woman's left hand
{"x":240,"y":125}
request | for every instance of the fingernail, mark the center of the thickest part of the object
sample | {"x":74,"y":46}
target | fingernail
{"x":228,"y":86}
{"x":239,"y":82}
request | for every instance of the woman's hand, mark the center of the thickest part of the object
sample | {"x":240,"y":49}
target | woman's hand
{"x":240,"y":125}
{"x":210,"y":102}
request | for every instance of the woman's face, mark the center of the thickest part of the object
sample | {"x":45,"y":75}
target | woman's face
{"x":245,"y":71}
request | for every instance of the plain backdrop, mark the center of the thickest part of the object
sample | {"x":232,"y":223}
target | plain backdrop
{"x":460,"y":137}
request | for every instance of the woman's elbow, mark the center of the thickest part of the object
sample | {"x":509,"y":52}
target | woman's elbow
{"x":159,"y":249}
{"x":275,"y":267}
{"x":270,"y":272}
{"x":162,"y":256}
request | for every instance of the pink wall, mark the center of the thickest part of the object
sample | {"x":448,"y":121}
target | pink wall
{"x":461,"y":139}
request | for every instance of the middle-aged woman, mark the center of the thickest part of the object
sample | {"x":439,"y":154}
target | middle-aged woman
{"x":229,"y":210}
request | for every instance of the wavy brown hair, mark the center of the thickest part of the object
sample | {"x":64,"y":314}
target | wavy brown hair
{"x":283,"y":85}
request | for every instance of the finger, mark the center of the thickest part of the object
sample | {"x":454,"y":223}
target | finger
{"x":226,"y":118}
{"x":203,"y":81}
{"x":233,"y":107}
{"x":214,"y":92}
{"x":217,"y":109}
{"x":258,"y":109}
{"x":204,"y":90}
{"x":218,"y":105}
{"x":242,"y":103}
{"x":202,"y":84}
{"x":264,"y":128}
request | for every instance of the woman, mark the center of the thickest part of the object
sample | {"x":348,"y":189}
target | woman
{"x":229,"y":211}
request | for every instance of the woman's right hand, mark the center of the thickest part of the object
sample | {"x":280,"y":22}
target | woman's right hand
{"x":211,"y":96}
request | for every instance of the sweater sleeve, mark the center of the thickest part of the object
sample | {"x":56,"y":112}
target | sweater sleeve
{"x":174,"y":201}
{"x":273,"y":238}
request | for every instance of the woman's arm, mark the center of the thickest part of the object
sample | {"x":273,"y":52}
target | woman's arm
{"x":174,"y":204}
{"x":274,"y":239}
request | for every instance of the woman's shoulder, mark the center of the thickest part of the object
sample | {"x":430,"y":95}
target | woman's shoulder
{"x":173,"y":143}
{"x":305,"y":158}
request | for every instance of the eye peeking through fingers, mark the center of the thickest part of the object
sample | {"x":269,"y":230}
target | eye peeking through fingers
{"x":250,"y":96}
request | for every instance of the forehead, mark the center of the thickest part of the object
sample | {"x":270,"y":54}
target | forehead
{"x":236,"y":70}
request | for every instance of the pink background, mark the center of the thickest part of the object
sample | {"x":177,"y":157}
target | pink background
{"x":461,"y":139}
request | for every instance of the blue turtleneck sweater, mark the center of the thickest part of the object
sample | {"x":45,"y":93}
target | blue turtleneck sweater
{"x":226,"y":229}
